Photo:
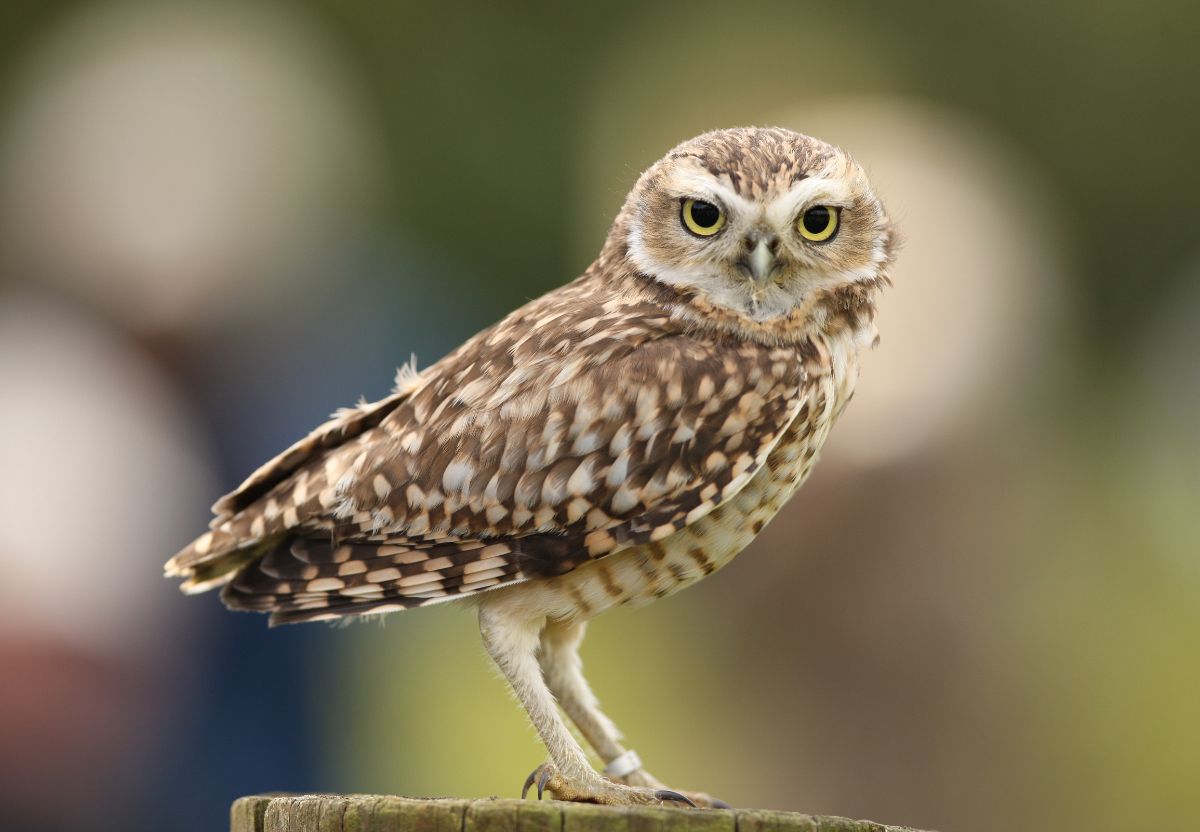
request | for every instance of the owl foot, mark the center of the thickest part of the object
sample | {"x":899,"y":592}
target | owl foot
{"x":598,"y":790}
{"x":644,"y":779}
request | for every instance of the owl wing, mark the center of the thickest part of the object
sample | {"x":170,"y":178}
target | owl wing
{"x":484,"y":476}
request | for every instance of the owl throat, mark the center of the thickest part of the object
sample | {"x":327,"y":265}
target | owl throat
{"x":773,"y":314}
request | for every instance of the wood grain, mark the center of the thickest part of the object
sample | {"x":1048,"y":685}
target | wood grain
{"x":375,"y":813}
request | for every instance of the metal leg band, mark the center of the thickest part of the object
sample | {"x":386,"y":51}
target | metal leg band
{"x":624,"y":765}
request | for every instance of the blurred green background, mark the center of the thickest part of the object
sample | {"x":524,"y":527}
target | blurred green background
{"x":220,"y":221}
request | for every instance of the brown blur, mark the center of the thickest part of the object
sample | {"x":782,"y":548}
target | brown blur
{"x":221,"y":221}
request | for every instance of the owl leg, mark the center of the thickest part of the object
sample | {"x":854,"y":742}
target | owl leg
{"x":511,"y":638}
{"x":562,"y":669}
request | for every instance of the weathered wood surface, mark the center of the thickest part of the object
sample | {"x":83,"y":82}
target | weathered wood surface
{"x":373,"y":813}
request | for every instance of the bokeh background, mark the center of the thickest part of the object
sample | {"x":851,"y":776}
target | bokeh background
{"x":220,"y":221}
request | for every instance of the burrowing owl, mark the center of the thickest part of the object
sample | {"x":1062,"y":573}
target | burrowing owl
{"x":609,"y":443}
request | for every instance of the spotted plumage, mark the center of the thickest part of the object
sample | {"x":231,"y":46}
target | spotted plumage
{"x":608,"y":443}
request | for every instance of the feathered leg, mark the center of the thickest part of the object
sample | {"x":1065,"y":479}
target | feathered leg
{"x":562,"y":669}
{"x":512,"y":640}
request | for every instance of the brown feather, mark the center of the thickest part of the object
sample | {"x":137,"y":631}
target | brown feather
{"x":609,"y":413}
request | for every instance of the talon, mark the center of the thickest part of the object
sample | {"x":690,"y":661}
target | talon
{"x":542,"y":781}
{"x":720,"y":804}
{"x":529,"y":782}
{"x":667,"y":794}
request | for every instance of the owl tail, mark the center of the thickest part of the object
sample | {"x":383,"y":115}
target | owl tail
{"x":212,"y":560}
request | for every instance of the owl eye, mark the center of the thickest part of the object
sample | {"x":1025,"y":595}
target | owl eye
{"x":702,"y":218}
{"x":819,"y":223}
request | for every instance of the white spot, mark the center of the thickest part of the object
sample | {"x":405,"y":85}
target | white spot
{"x":543,"y":518}
{"x":665,"y":530}
{"x":648,"y":430}
{"x":619,"y":470}
{"x":621,"y":440}
{"x":585,"y":443}
{"x":457,"y":475}
{"x":384,"y":609}
{"x":554,"y":489}
{"x":577,"y":508}
{"x":734,"y":423}
{"x":495,"y":514}
{"x":682,"y":434}
{"x":382,"y":486}
{"x":481,"y":577}
{"x":416,"y":497}
{"x":624,"y":500}
{"x":484,"y":564}
{"x":420,"y":578}
{"x":581,"y":481}
{"x":596,"y":518}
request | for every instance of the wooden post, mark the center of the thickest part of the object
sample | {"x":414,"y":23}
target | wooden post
{"x":373,"y":813}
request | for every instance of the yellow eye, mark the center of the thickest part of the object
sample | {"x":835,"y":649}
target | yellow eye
{"x":702,"y":218}
{"x":819,"y":223}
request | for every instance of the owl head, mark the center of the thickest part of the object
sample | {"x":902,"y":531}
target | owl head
{"x":757,"y":221}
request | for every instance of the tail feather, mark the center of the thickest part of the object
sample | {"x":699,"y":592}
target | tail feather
{"x":304,"y":579}
{"x":297,"y":578}
{"x":219,"y":572}
{"x":212,"y":559}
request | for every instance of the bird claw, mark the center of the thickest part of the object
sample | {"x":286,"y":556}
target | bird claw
{"x":667,"y":794}
{"x":540,"y":775}
{"x":547,"y":778}
{"x":542,"y":781}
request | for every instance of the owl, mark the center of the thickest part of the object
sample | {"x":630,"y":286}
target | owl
{"x":609,"y":443}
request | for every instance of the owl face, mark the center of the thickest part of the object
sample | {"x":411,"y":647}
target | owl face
{"x":757,"y":221}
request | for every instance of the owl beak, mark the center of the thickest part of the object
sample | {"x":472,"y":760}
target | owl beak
{"x":760,"y":264}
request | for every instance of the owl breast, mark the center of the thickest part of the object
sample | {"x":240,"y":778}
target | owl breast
{"x":654,"y":570}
